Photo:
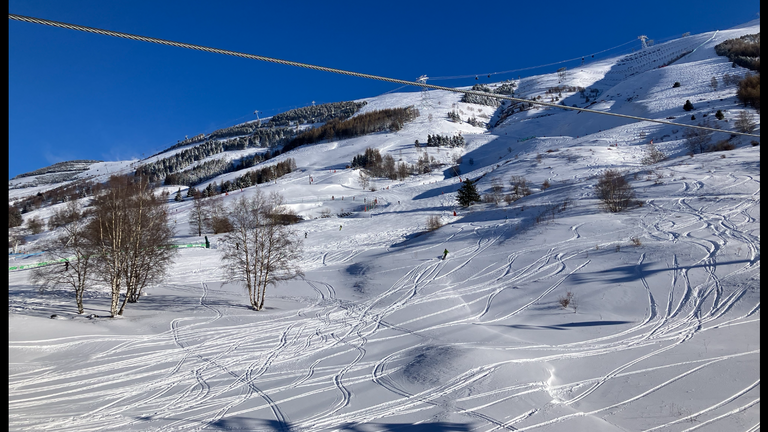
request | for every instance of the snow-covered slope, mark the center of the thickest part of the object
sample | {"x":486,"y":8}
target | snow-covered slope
{"x":382,"y":334}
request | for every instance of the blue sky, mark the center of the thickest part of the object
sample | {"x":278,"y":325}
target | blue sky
{"x":75,"y":95}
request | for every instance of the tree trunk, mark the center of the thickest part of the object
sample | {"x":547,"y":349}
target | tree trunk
{"x":115,"y":299}
{"x":79,"y":299}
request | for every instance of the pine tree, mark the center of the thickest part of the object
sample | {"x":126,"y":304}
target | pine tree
{"x":467,"y":194}
{"x":178,"y":196}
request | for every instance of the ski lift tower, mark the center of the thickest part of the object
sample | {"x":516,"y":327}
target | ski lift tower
{"x":258,"y":120}
{"x":642,"y":40}
{"x":424,"y":97}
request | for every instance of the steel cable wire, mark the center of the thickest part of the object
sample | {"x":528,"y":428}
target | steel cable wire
{"x":341,"y":71}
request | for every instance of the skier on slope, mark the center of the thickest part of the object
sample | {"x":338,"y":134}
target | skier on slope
{"x":445,"y":254}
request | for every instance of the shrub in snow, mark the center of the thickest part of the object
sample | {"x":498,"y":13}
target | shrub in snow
{"x":688,"y":106}
{"x":35,"y":225}
{"x":719,"y":115}
{"x":14,"y":216}
{"x":697,"y":140}
{"x":434,"y":222}
{"x":567,"y":300}
{"x":749,"y":91}
{"x":614,"y":190}
{"x":745,"y":122}
{"x":723,"y":145}
{"x":652,"y":155}
{"x":676,"y":84}
{"x":519,"y":187}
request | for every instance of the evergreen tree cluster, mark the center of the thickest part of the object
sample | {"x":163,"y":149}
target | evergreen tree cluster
{"x":391,"y":119}
{"x":382,"y":166}
{"x":200,"y":173}
{"x":250,"y":178}
{"x":271,"y":137}
{"x":187,"y":141}
{"x":73,"y":166}
{"x":261,"y":137}
{"x":258,"y":176}
{"x":317,"y":114}
{"x":213,"y":168}
{"x":475,"y":122}
{"x":445,"y":141}
{"x":157,"y":171}
{"x":507,"y":88}
{"x":272,"y":133}
{"x":239,"y":130}
{"x":564,"y":88}
{"x":68,"y":192}
{"x":368,"y":160}
{"x":481,"y":100}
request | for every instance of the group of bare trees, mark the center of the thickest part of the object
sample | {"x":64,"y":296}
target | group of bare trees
{"x":121,"y":241}
{"x":208,"y":215}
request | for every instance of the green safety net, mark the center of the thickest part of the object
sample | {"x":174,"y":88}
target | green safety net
{"x":45,"y":263}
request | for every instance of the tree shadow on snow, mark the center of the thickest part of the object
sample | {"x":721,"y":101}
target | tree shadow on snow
{"x":560,"y":326}
{"x":249,"y":424}
{"x":405,"y":427}
{"x":630,"y":273}
{"x":180,"y":303}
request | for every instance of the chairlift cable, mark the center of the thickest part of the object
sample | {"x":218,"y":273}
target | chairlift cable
{"x":530,"y":67}
{"x":342,"y":71}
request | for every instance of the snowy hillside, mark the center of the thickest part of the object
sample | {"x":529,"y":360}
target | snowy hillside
{"x":661,"y":333}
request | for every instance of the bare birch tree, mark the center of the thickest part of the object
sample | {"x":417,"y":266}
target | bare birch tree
{"x":74,"y":249}
{"x":131,"y":234}
{"x":260,"y":251}
{"x":198,"y":217}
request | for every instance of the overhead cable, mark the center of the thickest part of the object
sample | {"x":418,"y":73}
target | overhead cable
{"x":341,"y":71}
{"x":530,"y":67}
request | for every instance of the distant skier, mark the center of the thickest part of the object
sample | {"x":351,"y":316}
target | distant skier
{"x":305,"y":234}
{"x":339,"y":227}
{"x":445,"y":254}
{"x":66,"y":265}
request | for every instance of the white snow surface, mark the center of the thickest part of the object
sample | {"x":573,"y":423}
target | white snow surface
{"x":382,"y":334}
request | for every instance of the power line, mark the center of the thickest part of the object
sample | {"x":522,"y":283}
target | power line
{"x":339,"y":71}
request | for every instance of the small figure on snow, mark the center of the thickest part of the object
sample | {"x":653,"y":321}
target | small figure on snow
{"x":445,"y":253}
{"x":339,"y":227}
{"x":305,"y":234}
